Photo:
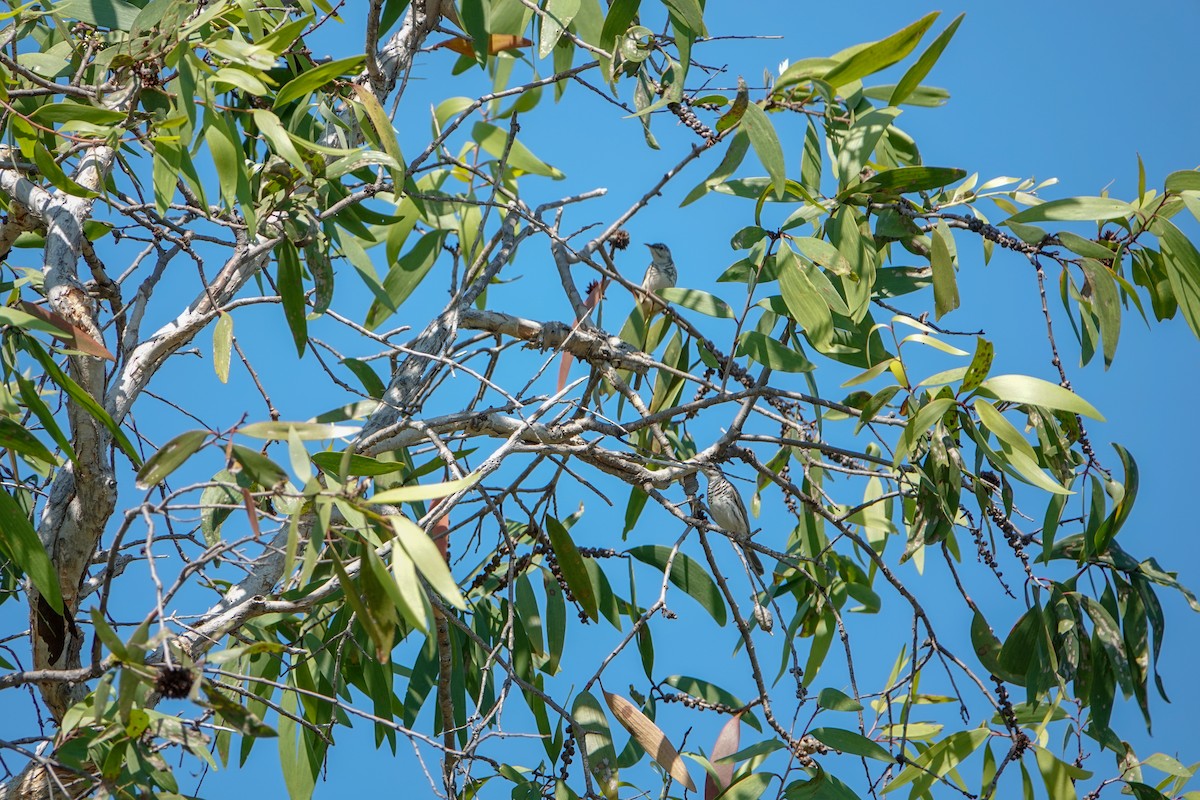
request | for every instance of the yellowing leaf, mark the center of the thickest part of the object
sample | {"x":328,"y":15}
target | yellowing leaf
{"x":650,"y":737}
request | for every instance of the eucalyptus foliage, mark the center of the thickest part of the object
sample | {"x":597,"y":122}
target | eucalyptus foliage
{"x":415,"y":553}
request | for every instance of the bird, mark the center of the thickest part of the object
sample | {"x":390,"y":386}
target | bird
{"x":729,"y":512}
{"x":661,"y":274}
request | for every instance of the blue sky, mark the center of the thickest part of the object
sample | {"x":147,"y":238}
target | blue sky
{"x":1068,"y":90}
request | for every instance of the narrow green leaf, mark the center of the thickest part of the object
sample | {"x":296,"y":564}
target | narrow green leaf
{"x":270,"y":127}
{"x":17,"y":438}
{"x":407,"y":274}
{"x":573,"y":569}
{"x":917,"y":72}
{"x":804,"y":302}
{"x":260,"y":469}
{"x":1037,"y":392}
{"x":981,"y":364}
{"x":698,"y":301}
{"x":766,"y":145}
{"x":751,"y":787}
{"x":919,"y":425}
{"x":310,"y":80}
{"x":902,"y":180}
{"x":427,"y":491}
{"x":1187,"y":180}
{"x":851,"y":742}
{"x":307,"y":431}
{"x":23,"y":546}
{"x":737,"y":110}
{"x":860,"y":141}
{"x":1076,"y":209}
{"x":945,"y":283}
{"x":1182,"y":265}
{"x":939,"y":760}
{"x":331,"y":462}
{"x":222,"y":346}
{"x":688,"y":575}
{"x":823,"y":253}
{"x":837,"y":701}
{"x":428,"y":559}
{"x":77,"y":394}
{"x":493,"y":140}
{"x":597,"y":742}
{"x":879,"y":55}
{"x":1106,"y":303}
{"x":384,"y":132}
{"x":169,"y":458}
{"x":770,"y":353}
{"x":290,"y":281}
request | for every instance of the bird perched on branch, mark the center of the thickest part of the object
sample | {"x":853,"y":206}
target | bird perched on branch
{"x":729,"y":512}
{"x":661,"y":274}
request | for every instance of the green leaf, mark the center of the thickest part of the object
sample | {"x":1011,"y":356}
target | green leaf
{"x":766,"y":145}
{"x":427,"y":491}
{"x":358,"y":465}
{"x":169,"y":458}
{"x":82,"y":398}
{"x":291,"y":291}
{"x":1106,"y":303}
{"x":384,"y":132}
{"x":1058,"y":775}
{"x":310,"y":80}
{"x":804,"y":302}
{"x":260,"y":469}
{"x":981,"y":364}
{"x":1084,"y":247}
{"x":770,"y":353}
{"x":909,"y":179}
{"x":751,"y":787}
{"x":1182,"y":264}
{"x":917,"y":72}
{"x":270,"y":127}
{"x":222,"y":346}
{"x":23,"y":546}
{"x":115,"y":15}
{"x":1018,"y":452}
{"x":860,"y":142}
{"x":16,"y":437}
{"x":67,"y":111}
{"x":407,"y":274}
{"x":494,"y":140}
{"x":834,"y":700}
{"x":307,"y":431}
{"x":1124,"y":505}
{"x":823,"y":253}
{"x":939,"y":760}
{"x":298,"y":762}
{"x":945,"y":283}
{"x":1187,"y":180}
{"x":698,"y":301}
{"x":428,"y":559}
{"x":1025,"y":389}
{"x":597,"y":742}
{"x":690,"y":13}
{"x":573,"y":570}
{"x":1075,"y":209}
{"x":737,"y":110}
{"x":879,"y":55}
{"x":851,"y":742}
{"x":688,"y":575}
{"x":918,"y":425}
